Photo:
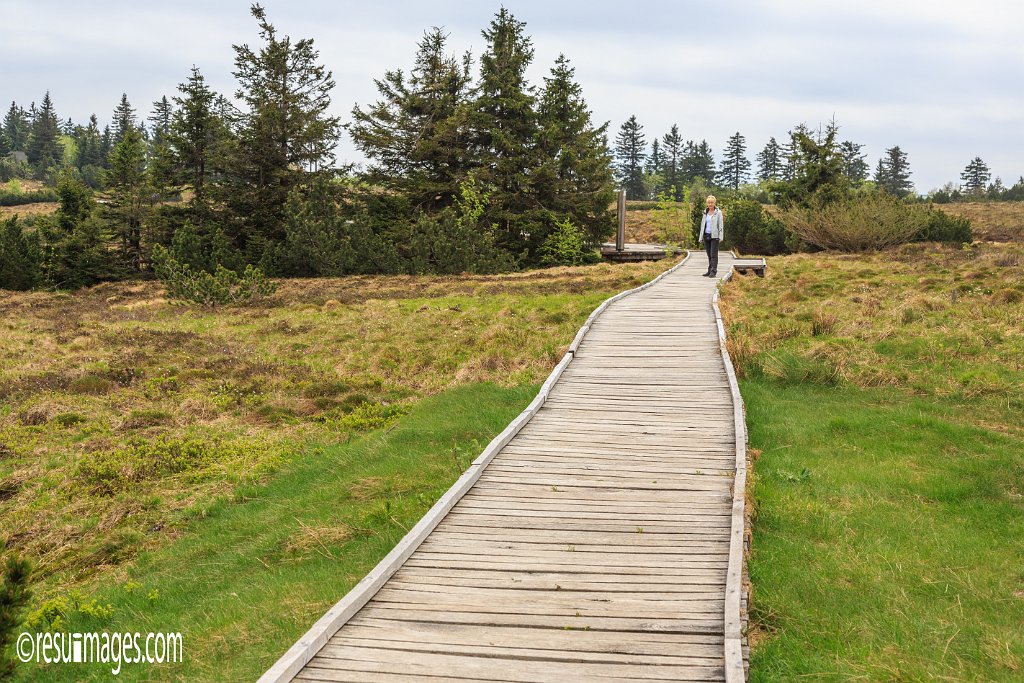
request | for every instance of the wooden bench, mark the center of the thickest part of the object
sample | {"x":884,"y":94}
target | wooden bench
{"x":758,"y":265}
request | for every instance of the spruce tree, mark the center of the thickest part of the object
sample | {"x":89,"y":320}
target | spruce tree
{"x":124,"y":119}
{"x":672,"y":162}
{"x":5,"y":144}
{"x":89,"y":143}
{"x":75,"y":252}
{"x":735,"y":168}
{"x":17,"y":126}
{"x":769,"y":161}
{"x":630,"y":157}
{"x":855,"y":165}
{"x":574,"y":179}
{"x":976,"y":176}
{"x":817,"y":169}
{"x":792,"y":150}
{"x":160,"y":120}
{"x":197,"y":138}
{"x":130,"y":196}
{"x":285,"y":135}
{"x":505,"y":129}
{"x":654,"y":160}
{"x":44,"y":148}
{"x":161,"y":164}
{"x":416,"y":134}
{"x":698,"y":162}
{"x":893,"y":172}
{"x":106,"y":144}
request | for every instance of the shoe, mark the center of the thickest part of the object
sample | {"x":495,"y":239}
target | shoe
{"x":713,"y":275}
{"x":705,"y":274}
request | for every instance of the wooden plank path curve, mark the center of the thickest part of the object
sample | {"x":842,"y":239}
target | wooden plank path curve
{"x":598,"y":537}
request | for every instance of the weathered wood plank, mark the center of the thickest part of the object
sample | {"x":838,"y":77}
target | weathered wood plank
{"x":598,"y":541}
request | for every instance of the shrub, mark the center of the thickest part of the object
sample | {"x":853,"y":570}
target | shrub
{"x":861,"y":223}
{"x":749,"y":228}
{"x":566,"y":246}
{"x":14,"y":595}
{"x":458,"y":240}
{"x":672,"y":219}
{"x":20,"y":257}
{"x":942,"y":227}
{"x":18,"y":198}
{"x":10,"y":169}
{"x":223,"y":286}
{"x":140,"y":461}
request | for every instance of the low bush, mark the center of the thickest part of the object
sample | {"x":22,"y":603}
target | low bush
{"x":9,"y":198}
{"x":21,"y":257}
{"x":140,"y":461}
{"x":861,"y":223}
{"x":944,"y":227}
{"x":750,"y":229}
{"x":223,"y":286}
{"x":566,"y":246}
{"x":14,"y":596}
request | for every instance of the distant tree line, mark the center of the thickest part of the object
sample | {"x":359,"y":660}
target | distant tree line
{"x":471,"y":168}
{"x":670,"y":163}
{"x":811,"y":176}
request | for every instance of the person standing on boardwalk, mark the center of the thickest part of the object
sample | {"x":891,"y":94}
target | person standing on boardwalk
{"x":711,"y":231}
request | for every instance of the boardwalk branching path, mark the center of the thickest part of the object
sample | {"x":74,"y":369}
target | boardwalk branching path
{"x":594,"y":545}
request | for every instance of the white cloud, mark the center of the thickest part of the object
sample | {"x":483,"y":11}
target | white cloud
{"x":941,"y":79}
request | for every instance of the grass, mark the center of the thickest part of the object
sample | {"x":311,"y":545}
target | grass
{"x":127,"y":420}
{"x":255,"y":569}
{"x":889,"y":491}
{"x":992,"y":221}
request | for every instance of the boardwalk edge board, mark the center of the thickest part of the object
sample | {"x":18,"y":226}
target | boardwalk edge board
{"x":734,"y":626}
{"x":292,"y":661}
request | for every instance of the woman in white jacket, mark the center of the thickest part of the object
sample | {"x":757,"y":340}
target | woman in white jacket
{"x":712,"y":230}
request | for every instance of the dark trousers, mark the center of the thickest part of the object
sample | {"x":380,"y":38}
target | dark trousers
{"x":711,"y":247}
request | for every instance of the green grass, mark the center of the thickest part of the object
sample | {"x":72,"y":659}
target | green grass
{"x":888,"y":539}
{"x":888,"y":528}
{"x":254,"y":570}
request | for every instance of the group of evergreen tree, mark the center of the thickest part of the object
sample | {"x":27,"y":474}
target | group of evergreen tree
{"x":535,"y":154}
{"x":670,"y":167}
{"x":670,"y":164}
{"x":466,"y":173}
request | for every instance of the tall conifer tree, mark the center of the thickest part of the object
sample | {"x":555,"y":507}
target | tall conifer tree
{"x":672,"y":162}
{"x":893,"y":172}
{"x":416,"y":134}
{"x":698,"y":162}
{"x":735,"y":168}
{"x":630,"y":155}
{"x":285,"y":135}
{"x":855,"y":165}
{"x":574,"y":178}
{"x":769,"y":161}
{"x":505,"y":129}
{"x":44,"y":148}
{"x":124,"y":119}
{"x":976,"y":176}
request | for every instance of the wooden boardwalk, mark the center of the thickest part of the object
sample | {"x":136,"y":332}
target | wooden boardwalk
{"x":594,"y":543}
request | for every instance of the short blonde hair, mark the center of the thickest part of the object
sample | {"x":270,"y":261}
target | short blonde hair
{"x":712,"y":198}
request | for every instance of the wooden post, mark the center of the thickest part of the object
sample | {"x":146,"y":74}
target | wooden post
{"x":620,"y":236}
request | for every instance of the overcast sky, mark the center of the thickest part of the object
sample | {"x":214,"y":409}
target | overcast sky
{"x":944,"y":80}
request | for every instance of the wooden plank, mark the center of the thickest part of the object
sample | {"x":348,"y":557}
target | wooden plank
{"x":597,"y":541}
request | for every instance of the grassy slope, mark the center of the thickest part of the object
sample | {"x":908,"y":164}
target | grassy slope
{"x":123,"y":418}
{"x":889,"y":492}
